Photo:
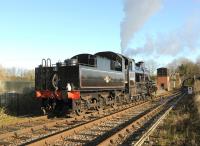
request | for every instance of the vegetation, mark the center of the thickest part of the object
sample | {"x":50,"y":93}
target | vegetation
{"x":6,"y":119}
{"x":185,"y":67}
{"x":181,"y":127}
{"x":15,"y":74}
{"x":21,"y":101}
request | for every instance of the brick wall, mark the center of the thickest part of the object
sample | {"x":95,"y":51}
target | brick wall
{"x":163,"y":83}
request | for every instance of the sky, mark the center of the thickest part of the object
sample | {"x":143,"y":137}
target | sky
{"x":31,"y":30}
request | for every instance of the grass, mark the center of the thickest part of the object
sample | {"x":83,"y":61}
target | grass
{"x":181,"y":127}
{"x":7,"y":119}
{"x":20,"y":107}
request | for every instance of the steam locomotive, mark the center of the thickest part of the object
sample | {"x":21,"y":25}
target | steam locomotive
{"x":89,"y":82}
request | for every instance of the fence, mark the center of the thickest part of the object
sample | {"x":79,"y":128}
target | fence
{"x":20,"y":103}
{"x":15,"y":86}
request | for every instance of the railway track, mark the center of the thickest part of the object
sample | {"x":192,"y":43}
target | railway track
{"x":98,"y":130}
{"x":21,"y":124}
{"x":152,"y":126}
{"x":50,"y":126}
{"x":36,"y":130}
{"x":138,"y":131}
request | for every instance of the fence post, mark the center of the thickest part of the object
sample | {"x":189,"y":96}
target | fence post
{"x":17,"y":104}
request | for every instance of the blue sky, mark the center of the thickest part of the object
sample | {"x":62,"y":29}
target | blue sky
{"x":34,"y":29}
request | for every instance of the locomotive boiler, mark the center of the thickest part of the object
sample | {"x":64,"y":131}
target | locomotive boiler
{"x":89,"y":82}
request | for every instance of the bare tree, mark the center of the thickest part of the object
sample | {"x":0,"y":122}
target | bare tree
{"x":185,"y":67}
{"x":2,"y":73}
{"x":16,"y":74}
{"x":152,"y":66}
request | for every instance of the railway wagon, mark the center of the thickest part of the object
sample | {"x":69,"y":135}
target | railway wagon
{"x":90,"y":82}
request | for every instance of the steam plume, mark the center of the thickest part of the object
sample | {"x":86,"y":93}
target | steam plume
{"x":186,"y":38}
{"x":137,"y":13}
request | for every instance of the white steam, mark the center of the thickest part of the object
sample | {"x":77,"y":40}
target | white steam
{"x":136,"y":13}
{"x":172,"y":43}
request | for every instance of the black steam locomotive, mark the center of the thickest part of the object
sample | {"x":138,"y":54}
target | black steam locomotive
{"x":91,"y":82}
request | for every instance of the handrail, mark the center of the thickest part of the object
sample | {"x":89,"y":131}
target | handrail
{"x":44,"y":62}
{"x":48,"y":62}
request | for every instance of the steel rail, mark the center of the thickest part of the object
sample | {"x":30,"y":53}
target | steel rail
{"x":58,"y":121}
{"x":51,"y":139}
{"x":120,"y":135}
{"x":154,"y":126}
{"x":73,"y":131}
{"x":48,"y":125}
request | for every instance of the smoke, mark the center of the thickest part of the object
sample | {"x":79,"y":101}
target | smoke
{"x":185,"y":39}
{"x":136,"y":13}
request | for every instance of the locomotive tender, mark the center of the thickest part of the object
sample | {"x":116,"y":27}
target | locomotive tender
{"x":88,"y":81}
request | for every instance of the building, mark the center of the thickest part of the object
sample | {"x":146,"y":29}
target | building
{"x":163,"y":79}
